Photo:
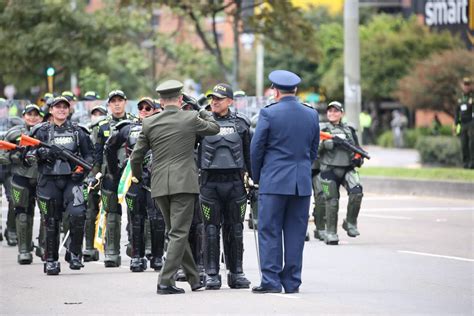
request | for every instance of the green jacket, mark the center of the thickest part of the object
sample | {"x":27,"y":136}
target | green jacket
{"x":171,"y":136}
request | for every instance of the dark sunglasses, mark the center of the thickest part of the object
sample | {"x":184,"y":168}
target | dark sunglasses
{"x":142,"y":107}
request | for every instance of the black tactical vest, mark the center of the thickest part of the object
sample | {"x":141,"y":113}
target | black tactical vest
{"x":224,"y":150}
{"x":135,"y":131}
{"x":67,"y":138}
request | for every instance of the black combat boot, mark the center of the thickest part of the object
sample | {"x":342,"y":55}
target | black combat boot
{"x":52,"y":266}
{"x":75,"y":262}
{"x":233,"y":247}
{"x":138,"y":264}
{"x":213,"y":279}
{"x":76,"y":228}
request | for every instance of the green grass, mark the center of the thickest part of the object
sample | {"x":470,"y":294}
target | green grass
{"x":452,"y":174}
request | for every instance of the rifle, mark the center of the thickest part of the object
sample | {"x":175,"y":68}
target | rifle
{"x":61,"y":152}
{"x":7,"y":145}
{"x":344,"y":144}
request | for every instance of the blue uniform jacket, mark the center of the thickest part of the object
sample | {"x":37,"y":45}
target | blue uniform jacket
{"x":284,"y":146}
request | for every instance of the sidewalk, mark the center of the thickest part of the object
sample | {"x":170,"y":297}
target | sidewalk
{"x":392,"y":157}
{"x":409,"y":158}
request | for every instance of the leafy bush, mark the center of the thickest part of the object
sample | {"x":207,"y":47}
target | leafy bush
{"x":439,"y":150}
{"x":385,"y":139}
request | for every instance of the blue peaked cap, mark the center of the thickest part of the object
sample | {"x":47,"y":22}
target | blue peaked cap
{"x":284,"y":80}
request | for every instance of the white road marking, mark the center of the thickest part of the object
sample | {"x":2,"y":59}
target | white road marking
{"x":418,"y":209}
{"x":435,"y":255}
{"x":441,"y":220}
{"x":387,"y":216}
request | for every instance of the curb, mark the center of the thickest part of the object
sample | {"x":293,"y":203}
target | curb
{"x":450,"y":189}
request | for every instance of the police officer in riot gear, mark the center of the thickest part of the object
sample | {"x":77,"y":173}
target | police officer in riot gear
{"x":60,"y":183}
{"x":98,"y":114}
{"x":338,"y":168}
{"x":116,"y":103}
{"x":139,"y":202}
{"x":23,"y":184}
{"x":223,"y":159}
{"x":196,"y":232}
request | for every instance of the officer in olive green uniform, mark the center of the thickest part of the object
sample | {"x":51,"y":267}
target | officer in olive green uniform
{"x":171,"y":136}
{"x":338,"y":168}
{"x":464,"y":121}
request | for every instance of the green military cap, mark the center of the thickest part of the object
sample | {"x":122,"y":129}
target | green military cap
{"x":170,"y":89}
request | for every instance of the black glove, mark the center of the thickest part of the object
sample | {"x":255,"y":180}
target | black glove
{"x":30,"y":159}
{"x":78,"y":175}
{"x":358,"y":162}
{"x":43,"y":153}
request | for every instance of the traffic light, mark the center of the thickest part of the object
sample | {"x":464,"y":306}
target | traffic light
{"x":50,"y":74}
{"x":50,"y":71}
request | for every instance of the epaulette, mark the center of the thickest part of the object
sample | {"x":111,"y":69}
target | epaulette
{"x":104,"y":121}
{"x":243,"y":117}
{"x":269,"y":105}
{"x":122,"y":123}
{"x":308,"y":105}
{"x":37,"y":127}
{"x":131,"y":117}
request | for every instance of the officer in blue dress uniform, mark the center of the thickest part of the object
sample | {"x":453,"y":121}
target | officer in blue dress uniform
{"x":283,"y":148}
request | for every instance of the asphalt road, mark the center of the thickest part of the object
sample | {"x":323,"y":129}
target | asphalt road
{"x":414,"y":256}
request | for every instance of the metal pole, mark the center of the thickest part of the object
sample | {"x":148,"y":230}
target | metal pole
{"x":352,"y":90}
{"x":259,"y":67}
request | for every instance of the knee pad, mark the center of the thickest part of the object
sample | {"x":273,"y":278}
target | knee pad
{"x":357,"y":190}
{"x":131,"y":199}
{"x":352,"y":181}
{"x":210,"y":211}
{"x":236,"y":211}
{"x":48,"y":207}
{"x":20,"y":196}
{"x":330,"y":189}
{"x":110,"y":201}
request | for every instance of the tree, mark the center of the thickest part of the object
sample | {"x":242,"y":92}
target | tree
{"x":434,"y":82}
{"x":38,"y":34}
{"x":205,"y":16}
{"x":390,"y":46}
